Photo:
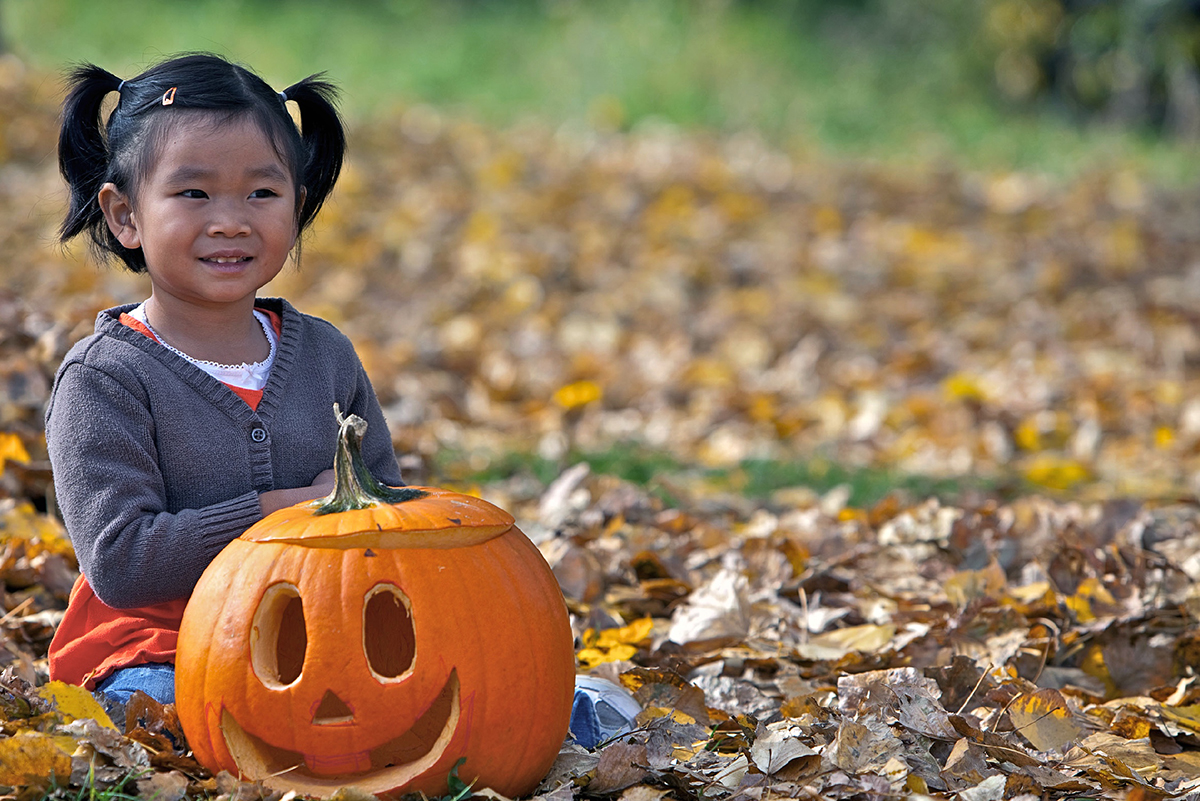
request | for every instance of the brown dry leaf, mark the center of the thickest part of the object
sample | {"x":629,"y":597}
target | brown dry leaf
{"x":668,"y":692}
{"x":643,"y":792}
{"x":833,"y":645}
{"x":904,"y":693}
{"x":782,"y":752}
{"x":972,"y":585}
{"x":1044,"y":719}
{"x":168,"y":786}
{"x":1137,"y":755}
{"x":714,"y":614}
{"x":571,"y":765}
{"x":621,"y":765}
{"x":864,"y":747}
{"x":967,"y":765}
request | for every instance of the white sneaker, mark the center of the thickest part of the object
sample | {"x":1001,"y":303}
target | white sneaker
{"x":601,"y":711}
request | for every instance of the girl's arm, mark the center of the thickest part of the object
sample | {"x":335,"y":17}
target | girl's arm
{"x":113,"y":497}
{"x":274,"y":500}
{"x":136,"y":547}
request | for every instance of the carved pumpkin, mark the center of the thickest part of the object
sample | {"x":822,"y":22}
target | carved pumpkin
{"x":375,"y":638}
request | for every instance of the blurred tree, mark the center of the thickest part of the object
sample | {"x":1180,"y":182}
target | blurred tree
{"x":1131,"y":62}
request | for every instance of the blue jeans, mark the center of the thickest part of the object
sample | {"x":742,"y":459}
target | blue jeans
{"x":156,"y":680}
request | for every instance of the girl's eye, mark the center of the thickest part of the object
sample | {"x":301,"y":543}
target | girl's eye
{"x":261,"y":193}
{"x":193,"y":193}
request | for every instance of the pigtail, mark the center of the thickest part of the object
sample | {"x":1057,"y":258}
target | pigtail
{"x":324,"y":141}
{"x":83,"y":156}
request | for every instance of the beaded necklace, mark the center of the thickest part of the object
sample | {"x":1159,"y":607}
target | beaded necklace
{"x":255,"y":372}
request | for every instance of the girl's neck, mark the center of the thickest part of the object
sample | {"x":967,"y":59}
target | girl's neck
{"x":227,"y":334}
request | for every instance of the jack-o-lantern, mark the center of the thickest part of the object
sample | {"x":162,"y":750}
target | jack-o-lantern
{"x":375,"y":638}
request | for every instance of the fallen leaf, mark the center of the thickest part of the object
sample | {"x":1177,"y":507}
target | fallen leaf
{"x":73,"y":702}
{"x":1044,"y":719}
{"x":168,"y":786}
{"x":621,"y":765}
{"x":833,"y":645}
{"x":778,"y":750}
{"x":11,"y":449}
{"x":990,"y":789}
{"x":31,"y":758}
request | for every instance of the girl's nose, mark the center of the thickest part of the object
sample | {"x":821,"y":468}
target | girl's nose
{"x":229,"y":219}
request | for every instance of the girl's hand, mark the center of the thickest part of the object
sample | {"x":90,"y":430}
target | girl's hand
{"x":274,"y":500}
{"x":324,"y":481}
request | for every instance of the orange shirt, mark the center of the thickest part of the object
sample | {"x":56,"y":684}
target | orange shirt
{"x":94,"y":639}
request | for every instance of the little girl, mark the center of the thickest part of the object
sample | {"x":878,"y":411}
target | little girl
{"x":186,"y":418}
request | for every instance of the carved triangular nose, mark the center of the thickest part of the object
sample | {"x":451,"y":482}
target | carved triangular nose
{"x":332,"y":710}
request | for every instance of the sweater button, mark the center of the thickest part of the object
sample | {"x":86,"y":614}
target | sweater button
{"x":258,"y":434}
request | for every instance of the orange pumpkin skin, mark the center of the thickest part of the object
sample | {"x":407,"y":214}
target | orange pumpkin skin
{"x":481,"y":668}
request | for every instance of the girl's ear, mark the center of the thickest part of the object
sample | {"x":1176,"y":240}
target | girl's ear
{"x":118,"y":213}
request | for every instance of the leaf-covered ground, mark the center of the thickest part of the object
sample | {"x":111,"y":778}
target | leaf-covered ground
{"x":564,"y":291}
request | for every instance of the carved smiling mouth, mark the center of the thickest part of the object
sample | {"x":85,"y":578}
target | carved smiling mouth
{"x":386,"y":767}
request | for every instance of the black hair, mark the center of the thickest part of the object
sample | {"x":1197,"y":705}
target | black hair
{"x":122,"y":150}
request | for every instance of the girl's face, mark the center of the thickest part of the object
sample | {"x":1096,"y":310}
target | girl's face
{"x":215,"y":216}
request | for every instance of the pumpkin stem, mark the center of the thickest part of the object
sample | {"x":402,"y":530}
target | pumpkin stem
{"x":353,"y":485}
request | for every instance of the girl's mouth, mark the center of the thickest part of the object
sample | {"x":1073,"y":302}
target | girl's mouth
{"x":226,"y":260}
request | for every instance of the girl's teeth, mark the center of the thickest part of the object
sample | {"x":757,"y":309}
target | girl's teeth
{"x":226,"y":261}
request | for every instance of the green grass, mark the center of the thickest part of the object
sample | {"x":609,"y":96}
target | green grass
{"x":665,"y":477}
{"x":123,"y":790}
{"x":844,"y":87}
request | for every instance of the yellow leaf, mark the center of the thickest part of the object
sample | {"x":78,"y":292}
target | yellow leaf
{"x":1092,"y":663}
{"x":1164,"y":436}
{"x":962,"y":386}
{"x":11,"y":449}
{"x":598,"y":656}
{"x":620,"y":652}
{"x":632,"y":634}
{"x":482,"y":227}
{"x":22,"y":522}
{"x":1044,"y":719}
{"x":827,"y":220}
{"x":74,"y":702}
{"x":579,"y":393}
{"x":1056,"y":472}
{"x":1029,"y":597}
{"x":1186,"y":716}
{"x":656,"y":712}
{"x":31,"y":758}
{"x":590,"y":657}
{"x":1091,"y":591}
{"x":588,"y":637}
{"x":850,"y":514}
{"x":1028,"y":435}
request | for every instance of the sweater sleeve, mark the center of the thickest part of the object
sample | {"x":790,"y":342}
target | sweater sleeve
{"x":132,"y":549}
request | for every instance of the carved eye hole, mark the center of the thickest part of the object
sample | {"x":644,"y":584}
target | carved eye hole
{"x":278,"y":636}
{"x":388,"y":637}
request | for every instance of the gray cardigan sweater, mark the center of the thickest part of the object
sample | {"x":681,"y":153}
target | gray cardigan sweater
{"x":157,"y":465}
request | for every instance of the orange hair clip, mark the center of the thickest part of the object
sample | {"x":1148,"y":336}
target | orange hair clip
{"x":169,"y":96}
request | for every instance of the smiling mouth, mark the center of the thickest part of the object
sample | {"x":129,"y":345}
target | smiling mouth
{"x":380,"y":769}
{"x":238,"y":260}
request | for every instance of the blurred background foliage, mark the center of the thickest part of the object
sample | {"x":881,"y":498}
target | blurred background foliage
{"x":1062,"y":86}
